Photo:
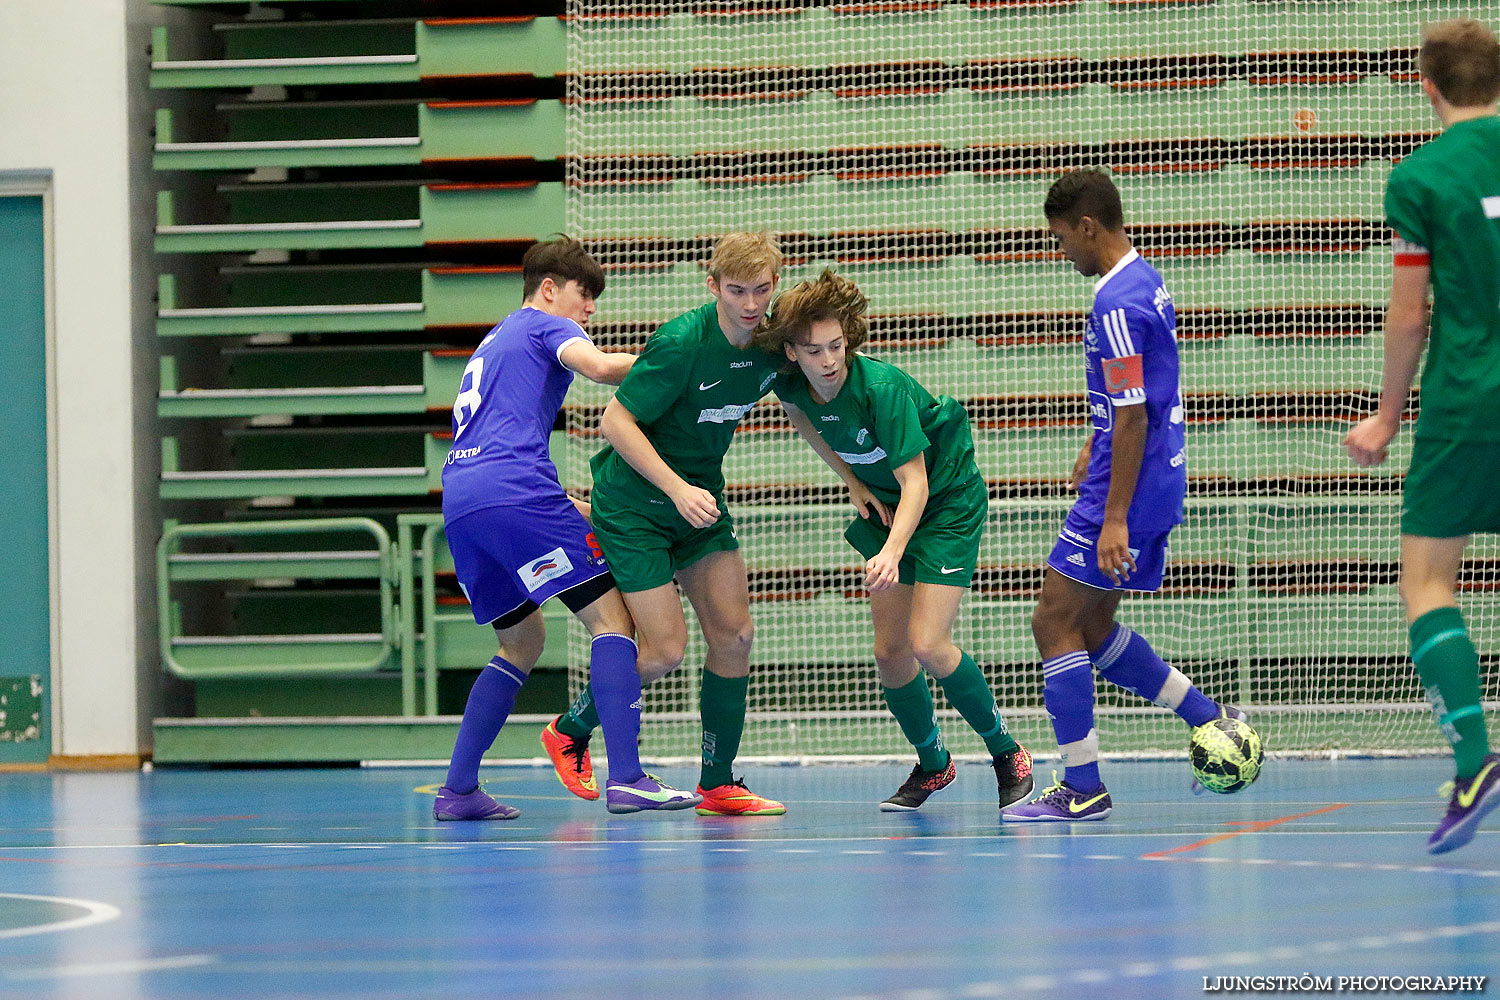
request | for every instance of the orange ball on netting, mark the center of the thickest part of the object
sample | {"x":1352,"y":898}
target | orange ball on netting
{"x":1305,"y":119}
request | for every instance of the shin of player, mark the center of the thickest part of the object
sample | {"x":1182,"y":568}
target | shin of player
{"x":659,"y":510}
{"x":907,"y":459}
{"x":1443,"y":202}
{"x":1131,"y":480}
{"x":518,"y":540}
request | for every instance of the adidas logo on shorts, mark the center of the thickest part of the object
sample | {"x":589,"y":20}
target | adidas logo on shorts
{"x":1076,"y":559}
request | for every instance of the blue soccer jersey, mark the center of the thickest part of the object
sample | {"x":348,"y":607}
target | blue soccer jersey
{"x":1130,"y":355}
{"x":507,"y":403}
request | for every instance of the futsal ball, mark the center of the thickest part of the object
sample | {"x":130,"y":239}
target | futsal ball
{"x":1226,"y":755}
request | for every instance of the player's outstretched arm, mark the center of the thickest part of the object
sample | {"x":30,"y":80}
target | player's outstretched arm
{"x":1405,"y":336}
{"x":859,"y":494}
{"x":604,"y":367}
{"x":619,"y":427}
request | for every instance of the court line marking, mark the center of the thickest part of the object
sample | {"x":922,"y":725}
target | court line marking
{"x":98,"y":913}
{"x":1058,"y":984}
{"x":894,"y":850}
{"x":123,"y":967}
{"x":1250,"y":826}
{"x":1010,"y":838}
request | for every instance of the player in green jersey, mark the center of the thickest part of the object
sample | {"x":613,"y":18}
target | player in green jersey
{"x":659,"y":512}
{"x":907,"y":459}
{"x":1443,"y":202}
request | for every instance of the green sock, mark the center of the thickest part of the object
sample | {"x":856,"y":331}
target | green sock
{"x":969,"y":692}
{"x":723,"y":708}
{"x":911,"y":704}
{"x":1448,"y":667}
{"x":581,"y":718}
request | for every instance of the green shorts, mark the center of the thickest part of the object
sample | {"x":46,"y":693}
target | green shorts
{"x":1452,"y":488}
{"x":945,"y":547}
{"x":646,"y":541}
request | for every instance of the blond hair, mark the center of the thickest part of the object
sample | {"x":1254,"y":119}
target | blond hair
{"x":828,"y":297}
{"x":1462,"y":59}
{"x":743,"y":256}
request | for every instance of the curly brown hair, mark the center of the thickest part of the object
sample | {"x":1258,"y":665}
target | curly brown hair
{"x":797,"y":309}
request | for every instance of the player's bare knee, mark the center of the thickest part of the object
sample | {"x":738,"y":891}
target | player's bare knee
{"x":891,"y":652}
{"x":1046,"y":622}
{"x":523,"y":650}
{"x":936,"y":654}
{"x":731,"y":642}
{"x":613,"y":624}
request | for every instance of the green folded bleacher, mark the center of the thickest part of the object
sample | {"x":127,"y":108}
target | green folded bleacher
{"x":374,"y":51}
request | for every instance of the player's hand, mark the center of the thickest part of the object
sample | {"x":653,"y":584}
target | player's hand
{"x":882,"y":571}
{"x":696,"y":505}
{"x":584,"y":508}
{"x":1113,"y":550}
{"x":1081,"y":464}
{"x":865,"y":502}
{"x":1367,"y":440}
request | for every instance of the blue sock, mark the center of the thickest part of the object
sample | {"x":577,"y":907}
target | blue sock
{"x":490,"y":701}
{"x":617,"y":696}
{"x":1126,"y":659}
{"x":1068,"y":690}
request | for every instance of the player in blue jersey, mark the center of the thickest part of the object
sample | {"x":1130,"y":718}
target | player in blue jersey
{"x":1131,"y":477}
{"x":517,"y":539}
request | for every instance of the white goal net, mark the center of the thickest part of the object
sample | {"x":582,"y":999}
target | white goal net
{"x":909,"y":146}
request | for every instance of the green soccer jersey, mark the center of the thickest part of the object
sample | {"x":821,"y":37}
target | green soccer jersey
{"x":881,"y":419}
{"x":1445,"y":197}
{"x":688,"y":391}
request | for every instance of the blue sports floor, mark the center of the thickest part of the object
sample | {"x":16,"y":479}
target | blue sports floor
{"x":338,"y":883}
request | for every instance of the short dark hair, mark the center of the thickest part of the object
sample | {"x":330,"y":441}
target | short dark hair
{"x":1462,"y":59}
{"x":1085,"y":192}
{"x":563,"y":260}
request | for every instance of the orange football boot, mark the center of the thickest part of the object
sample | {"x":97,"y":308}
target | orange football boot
{"x":570,"y":759}
{"x":734,"y":799}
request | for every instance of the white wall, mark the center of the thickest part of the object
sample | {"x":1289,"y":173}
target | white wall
{"x":64,"y":108}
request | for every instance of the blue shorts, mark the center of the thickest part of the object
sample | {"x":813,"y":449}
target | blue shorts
{"x":1074,"y":556}
{"x":511,"y":559}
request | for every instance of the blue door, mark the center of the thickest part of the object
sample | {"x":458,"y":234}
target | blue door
{"x":25,"y":632}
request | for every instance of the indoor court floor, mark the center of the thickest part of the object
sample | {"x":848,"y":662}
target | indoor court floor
{"x":338,"y":883}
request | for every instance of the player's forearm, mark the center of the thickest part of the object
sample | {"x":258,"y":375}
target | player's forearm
{"x":1127,"y":448}
{"x":912,"y":478}
{"x":1405,"y":337}
{"x":619,"y":427}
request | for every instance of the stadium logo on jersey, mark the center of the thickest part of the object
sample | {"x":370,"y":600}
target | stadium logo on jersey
{"x":742,"y":364}
{"x":1124,"y":374}
{"x":724,"y":414}
{"x":543,"y":568}
{"x":829,"y":416}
